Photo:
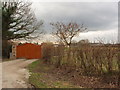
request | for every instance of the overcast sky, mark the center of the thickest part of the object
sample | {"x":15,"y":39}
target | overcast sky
{"x":101,"y":18}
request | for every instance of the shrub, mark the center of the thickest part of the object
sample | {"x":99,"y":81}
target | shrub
{"x":89,"y":60}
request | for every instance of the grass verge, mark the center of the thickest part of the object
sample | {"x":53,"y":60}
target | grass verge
{"x":41,"y":77}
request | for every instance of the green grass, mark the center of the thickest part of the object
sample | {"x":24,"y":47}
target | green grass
{"x":43,"y":79}
{"x":39,"y":80}
{"x":36,"y":80}
{"x":33,"y":65}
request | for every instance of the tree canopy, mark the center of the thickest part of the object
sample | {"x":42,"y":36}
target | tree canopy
{"x":18,"y":20}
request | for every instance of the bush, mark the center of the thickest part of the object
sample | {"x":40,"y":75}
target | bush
{"x":47,"y":49}
{"x":86,"y":59}
{"x":91,"y":59}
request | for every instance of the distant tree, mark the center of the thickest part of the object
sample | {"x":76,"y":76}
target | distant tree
{"x":18,"y":21}
{"x":66,"y":32}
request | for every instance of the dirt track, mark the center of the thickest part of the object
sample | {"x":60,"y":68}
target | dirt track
{"x":15,"y":74}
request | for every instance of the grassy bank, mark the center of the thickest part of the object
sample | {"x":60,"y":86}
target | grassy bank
{"x":41,"y":77}
{"x":44,"y":75}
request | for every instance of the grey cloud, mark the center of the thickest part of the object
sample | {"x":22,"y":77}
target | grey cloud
{"x":95,"y":16}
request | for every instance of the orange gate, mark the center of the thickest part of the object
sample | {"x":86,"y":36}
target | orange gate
{"x":28,"y":51}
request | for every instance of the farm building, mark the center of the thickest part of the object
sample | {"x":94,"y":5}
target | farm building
{"x":26,"y":50}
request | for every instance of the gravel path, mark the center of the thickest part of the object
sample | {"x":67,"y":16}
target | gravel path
{"x":15,"y":74}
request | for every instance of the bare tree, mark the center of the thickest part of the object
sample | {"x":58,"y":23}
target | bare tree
{"x":18,"y":20}
{"x":66,"y":32}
